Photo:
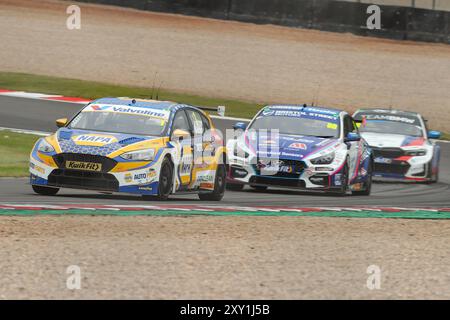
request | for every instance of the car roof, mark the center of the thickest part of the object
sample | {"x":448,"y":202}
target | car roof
{"x":141,"y":103}
{"x":389,"y":111}
{"x":307,"y":108}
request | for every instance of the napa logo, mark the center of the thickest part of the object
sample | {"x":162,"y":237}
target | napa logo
{"x":97,"y":140}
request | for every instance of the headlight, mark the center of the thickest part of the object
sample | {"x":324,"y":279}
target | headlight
{"x":139,"y":155}
{"x":416,"y":153}
{"x":326,"y":159}
{"x":46,"y":147}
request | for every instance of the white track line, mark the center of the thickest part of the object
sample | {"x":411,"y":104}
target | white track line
{"x":26,"y":131}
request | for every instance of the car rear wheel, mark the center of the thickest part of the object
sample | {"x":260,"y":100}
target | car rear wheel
{"x":432,"y":177}
{"x":344,"y":181}
{"x":219,"y":186}
{"x":45,"y":191}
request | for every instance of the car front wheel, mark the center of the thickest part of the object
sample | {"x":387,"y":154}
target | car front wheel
{"x":45,"y":191}
{"x":342,"y":191}
{"x":219,"y":186}
{"x":165,"y":182}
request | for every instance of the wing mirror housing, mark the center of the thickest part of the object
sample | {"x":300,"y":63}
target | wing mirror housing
{"x":351,"y":137}
{"x":61,"y":122}
{"x":434,"y":134}
{"x":240,"y":126}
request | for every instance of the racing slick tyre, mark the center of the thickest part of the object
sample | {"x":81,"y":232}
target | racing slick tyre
{"x":433,"y":178}
{"x":219,"y":186}
{"x":367,"y":187}
{"x":165,"y":182}
{"x":235,"y":186}
{"x":46,"y":191}
{"x":259,"y":188}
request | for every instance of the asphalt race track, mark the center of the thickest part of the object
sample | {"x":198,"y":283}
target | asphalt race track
{"x":40,"y":115}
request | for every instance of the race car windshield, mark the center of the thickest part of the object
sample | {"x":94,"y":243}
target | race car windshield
{"x":298,"y":126}
{"x":391,"y":127}
{"x":119,"y":122}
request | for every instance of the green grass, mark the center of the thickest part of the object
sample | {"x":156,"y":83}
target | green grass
{"x":15,"y":151}
{"x":94,"y":90}
{"x":445,"y":136}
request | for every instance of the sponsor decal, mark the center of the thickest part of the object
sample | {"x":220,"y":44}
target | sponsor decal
{"x":288,"y":154}
{"x":140,"y":111}
{"x":297,"y":145}
{"x":268,"y":112}
{"x":331,"y":125}
{"x":382,"y":160}
{"x":145,"y":176}
{"x":395,"y":118}
{"x":128,"y":177}
{"x":87,"y":166}
{"x":286,"y":169}
{"x":37,"y":168}
{"x":146,"y":188}
{"x":267,"y":142}
{"x":298,"y":112}
{"x":94,"y":139}
{"x":363,"y":172}
{"x":337,"y":179}
{"x":206,"y":185}
{"x":365,"y":155}
{"x":140,"y":176}
{"x":151,"y":173}
{"x":205,"y":178}
{"x":185,"y":168}
{"x":296,"y":139}
{"x":130,"y":110}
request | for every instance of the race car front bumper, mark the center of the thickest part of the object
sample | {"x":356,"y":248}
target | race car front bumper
{"x":404,"y":168}
{"x":313,"y":177}
{"x":143,"y":180}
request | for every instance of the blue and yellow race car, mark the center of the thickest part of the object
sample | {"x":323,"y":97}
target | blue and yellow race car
{"x":147,"y":147}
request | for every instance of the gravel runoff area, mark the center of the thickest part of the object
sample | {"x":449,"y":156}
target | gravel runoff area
{"x":262,"y":63}
{"x":223,"y":257}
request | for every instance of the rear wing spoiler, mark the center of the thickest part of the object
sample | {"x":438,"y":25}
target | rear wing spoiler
{"x":219,"y":109}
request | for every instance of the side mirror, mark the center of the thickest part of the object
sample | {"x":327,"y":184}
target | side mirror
{"x":61,"y":122}
{"x":180,"y":134}
{"x":434,"y":134}
{"x":240,"y":126}
{"x":351,"y":136}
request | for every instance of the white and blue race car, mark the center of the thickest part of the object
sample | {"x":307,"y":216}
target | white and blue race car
{"x":300,"y":147}
{"x":401,"y":144}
